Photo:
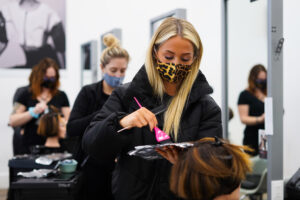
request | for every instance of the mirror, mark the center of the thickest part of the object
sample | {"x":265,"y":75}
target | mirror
{"x":247,"y":46}
{"x":89,"y":62}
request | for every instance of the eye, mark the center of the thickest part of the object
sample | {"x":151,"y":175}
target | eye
{"x":185,"y":59}
{"x":113,"y":70}
{"x":169,"y":58}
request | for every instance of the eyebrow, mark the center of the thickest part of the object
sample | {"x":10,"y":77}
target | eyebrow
{"x":182,"y":54}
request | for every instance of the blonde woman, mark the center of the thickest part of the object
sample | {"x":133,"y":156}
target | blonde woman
{"x":114,"y":61}
{"x":170,"y":80}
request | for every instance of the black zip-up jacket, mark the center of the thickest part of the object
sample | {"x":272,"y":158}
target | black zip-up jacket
{"x":134,"y":177}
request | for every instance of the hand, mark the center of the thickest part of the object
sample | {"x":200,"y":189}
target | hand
{"x":170,"y":153}
{"x":139,"y":118}
{"x":40,"y":107}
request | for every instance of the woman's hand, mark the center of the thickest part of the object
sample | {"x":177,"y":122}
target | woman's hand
{"x":170,"y":153}
{"x":40,"y":107}
{"x":139,"y":118}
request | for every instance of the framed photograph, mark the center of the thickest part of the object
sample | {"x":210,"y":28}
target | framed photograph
{"x":89,"y":62}
{"x":155,"y":22}
{"x":31,"y":31}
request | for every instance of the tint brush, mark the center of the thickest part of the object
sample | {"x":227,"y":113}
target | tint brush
{"x":159,"y":134}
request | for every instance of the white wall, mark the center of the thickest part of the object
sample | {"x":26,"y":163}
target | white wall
{"x":86,"y":20}
{"x":291,"y":94}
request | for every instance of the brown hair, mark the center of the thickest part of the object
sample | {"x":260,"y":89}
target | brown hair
{"x":37,"y":76}
{"x":112,"y":50}
{"x":213,"y":167}
{"x":256,"y":69}
{"x":49,"y":123}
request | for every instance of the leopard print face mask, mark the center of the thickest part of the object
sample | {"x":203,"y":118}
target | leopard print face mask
{"x":173,"y":73}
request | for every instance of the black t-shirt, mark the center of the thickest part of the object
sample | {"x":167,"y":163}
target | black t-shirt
{"x":256,"y":108}
{"x":30,"y":136}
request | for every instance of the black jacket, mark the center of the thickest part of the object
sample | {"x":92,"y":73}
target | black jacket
{"x":88,"y":102}
{"x":135,"y":177}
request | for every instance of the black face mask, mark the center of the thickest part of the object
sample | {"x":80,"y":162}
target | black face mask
{"x":49,"y":83}
{"x":261,"y":84}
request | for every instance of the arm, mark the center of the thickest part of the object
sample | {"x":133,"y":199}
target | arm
{"x":58,"y":35}
{"x":20,"y":116}
{"x":101,"y":139}
{"x":249,"y":120}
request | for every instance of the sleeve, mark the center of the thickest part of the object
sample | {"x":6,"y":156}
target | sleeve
{"x":243,"y":98}
{"x":21,"y":97}
{"x":211,"y":121}
{"x":18,"y":92}
{"x":79,"y":118}
{"x":64,"y":99}
{"x":53,"y":19}
{"x":101,"y":139}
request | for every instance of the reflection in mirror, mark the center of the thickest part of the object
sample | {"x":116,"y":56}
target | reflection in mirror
{"x":247,"y":47}
{"x":247,"y":58}
{"x":89,"y":62}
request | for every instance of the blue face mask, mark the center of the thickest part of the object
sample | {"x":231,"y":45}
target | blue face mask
{"x":113,"y":81}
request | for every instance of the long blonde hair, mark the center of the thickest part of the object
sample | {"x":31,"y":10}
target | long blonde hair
{"x":171,"y":27}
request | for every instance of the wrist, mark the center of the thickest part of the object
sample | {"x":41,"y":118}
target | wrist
{"x":32,"y":113}
{"x":257,"y":120}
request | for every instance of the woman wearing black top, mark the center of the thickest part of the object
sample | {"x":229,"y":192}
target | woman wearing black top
{"x":32,"y":103}
{"x":170,"y":81}
{"x":251,"y":106}
{"x":91,"y":98}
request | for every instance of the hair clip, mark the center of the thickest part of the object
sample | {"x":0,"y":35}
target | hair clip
{"x":217,"y":142}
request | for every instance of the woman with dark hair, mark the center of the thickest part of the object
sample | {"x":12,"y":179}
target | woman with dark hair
{"x":251,"y":106}
{"x":212,"y":169}
{"x":32,"y":103}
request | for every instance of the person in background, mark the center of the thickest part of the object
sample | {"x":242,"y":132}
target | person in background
{"x":19,"y":131}
{"x":52,"y":125}
{"x":170,"y":81}
{"x":251,"y":106}
{"x":211,"y":169}
{"x":32,"y":103}
{"x":114,"y":62}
